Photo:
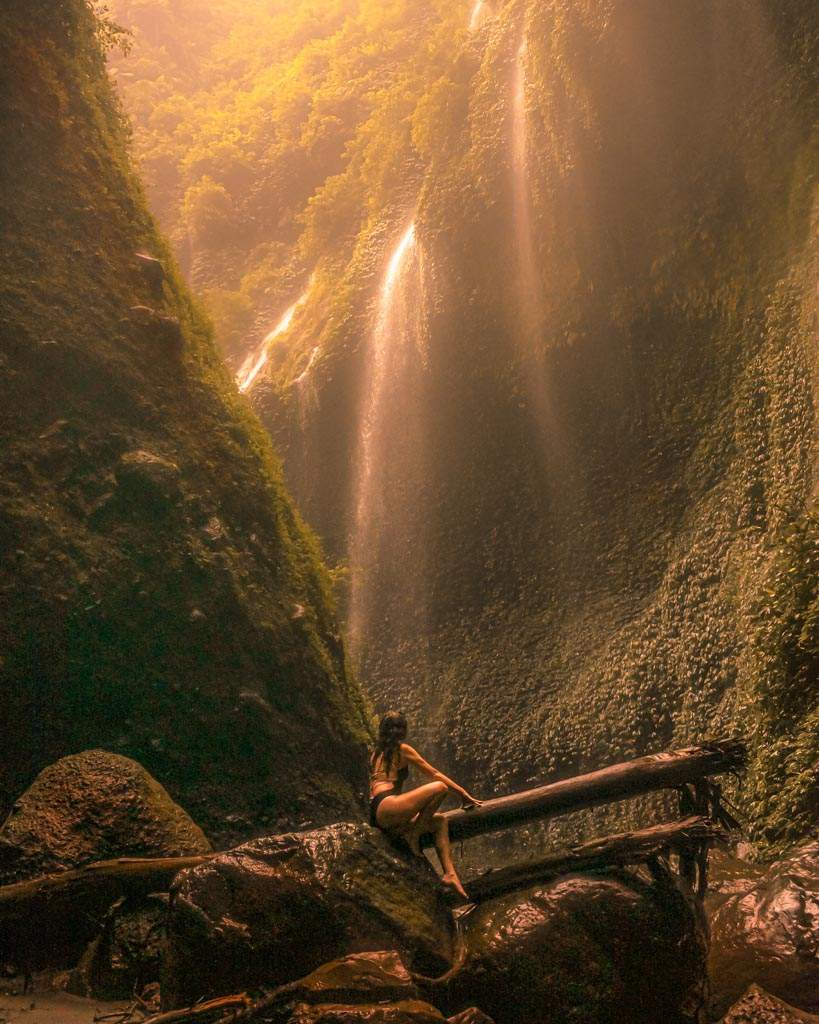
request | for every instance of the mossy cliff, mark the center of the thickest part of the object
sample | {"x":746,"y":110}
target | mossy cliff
{"x":618,"y":541}
{"x":160,"y":596}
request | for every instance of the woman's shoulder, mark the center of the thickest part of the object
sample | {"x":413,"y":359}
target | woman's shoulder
{"x":407,"y":751}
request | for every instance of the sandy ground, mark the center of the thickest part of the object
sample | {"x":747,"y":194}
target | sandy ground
{"x":53,"y":1008}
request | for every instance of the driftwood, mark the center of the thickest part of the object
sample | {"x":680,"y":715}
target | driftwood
{"x":617,"y":782}
{"x":202,"y":1011}
{"x":58,"y":912}
{"x":640,"y":847}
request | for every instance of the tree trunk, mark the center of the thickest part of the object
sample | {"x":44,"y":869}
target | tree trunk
{"x":611,"y":851}
{"x":617,"y":782}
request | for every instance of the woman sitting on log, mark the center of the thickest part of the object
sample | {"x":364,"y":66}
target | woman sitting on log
{"x":413,"y":814}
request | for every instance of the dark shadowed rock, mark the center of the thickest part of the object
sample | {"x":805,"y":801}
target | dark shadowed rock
{"x":377,"y":977}
{"x":93,"y":806}
{"x":148,"y":478}
{"x":610,"y":949}
{"x":411,"y":1011}
{"x":768,"y":932}
{"x":759,"y":1007}
{"x":471,"y":1016}
{"x":152,"y":269}
{"x":367,"y":987}
{"x":165,"y":332}
{"x":278,"y":907}
{"x":127,"y":954}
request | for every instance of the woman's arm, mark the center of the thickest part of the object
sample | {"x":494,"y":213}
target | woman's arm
{"x":414,"y":758}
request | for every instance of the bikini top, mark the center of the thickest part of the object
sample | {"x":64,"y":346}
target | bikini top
{"x":397,"y":776}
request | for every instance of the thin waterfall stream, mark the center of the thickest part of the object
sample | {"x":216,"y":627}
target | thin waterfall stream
{"x":386,"y":563}
{"x":257,"y":359}
{"x":529,"y":287}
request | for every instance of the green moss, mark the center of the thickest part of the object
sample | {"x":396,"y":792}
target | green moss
{"x":196,"y":633}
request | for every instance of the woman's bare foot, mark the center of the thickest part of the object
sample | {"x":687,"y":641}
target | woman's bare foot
{"x":452,"y":881}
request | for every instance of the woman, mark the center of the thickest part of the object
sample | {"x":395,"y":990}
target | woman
{"x":411,"y":815}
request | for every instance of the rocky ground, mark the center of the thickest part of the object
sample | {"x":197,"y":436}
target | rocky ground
{"x":337,"y":926}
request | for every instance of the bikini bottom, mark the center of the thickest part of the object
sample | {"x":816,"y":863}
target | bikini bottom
{"x":375,"y":803}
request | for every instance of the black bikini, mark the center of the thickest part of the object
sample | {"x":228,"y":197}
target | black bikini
{"x":397,"y":786}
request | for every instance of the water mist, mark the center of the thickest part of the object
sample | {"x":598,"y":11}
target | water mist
{"x":386,"y":548}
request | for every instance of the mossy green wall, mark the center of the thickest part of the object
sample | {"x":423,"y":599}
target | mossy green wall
{"x":608,"y":505}
{"x":190,"y":624}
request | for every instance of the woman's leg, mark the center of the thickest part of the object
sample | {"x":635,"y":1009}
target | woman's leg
{"x":411,"y":813}
{"x":440,"y":830}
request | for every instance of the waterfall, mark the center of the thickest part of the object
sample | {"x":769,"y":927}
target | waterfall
{"x":386,"y":549}
{"x":255,"y":362}
{"x":306,"y":390}
{"x":478,"y":14}
{"x":529,"y":300}
{"x":529,"y":286}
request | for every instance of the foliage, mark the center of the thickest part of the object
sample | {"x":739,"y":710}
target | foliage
{"x":110,"y":34}
{"x":190,"y":627}
{"x":781,"y":705}
{"x":270,"y":133}
{"x":593,"y":590}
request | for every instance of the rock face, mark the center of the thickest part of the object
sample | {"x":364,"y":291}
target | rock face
{"x":759,"y":1007}
{"x":364,"y":988}
{"x":93,"y":806}
{"x":368,"y":988}
{"x":406,"y":1012}
{"x":275,"y":908}
{"x":612,"y":949}
{"x":127,"y":954}
{"x":151,"y":558}
{"x":767,"y":931}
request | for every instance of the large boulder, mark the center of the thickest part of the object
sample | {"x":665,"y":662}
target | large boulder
{"x":609,"y":948}
{"x":278,"y":907}
{"x":93,"y":806}
{"x":767,"y":931}
{"x":126,"y":955}
{"x":367,"y":988}
{"x":410,"y":1011}
{"x":364,"y":988}
{"x":759,"y":1007}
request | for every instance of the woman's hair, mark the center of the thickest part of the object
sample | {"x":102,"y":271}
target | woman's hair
{"x":392,"y":729}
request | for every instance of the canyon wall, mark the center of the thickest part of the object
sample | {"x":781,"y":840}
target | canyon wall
{"x":161,"y":598}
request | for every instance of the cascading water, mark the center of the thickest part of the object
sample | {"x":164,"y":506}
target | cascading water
{"x":529,"y":309}
{"x":306,"y":390}
{"x":256,"y":361}
{"x":478,"y":15}
{"x":527,"y":266}
{"x":386,"y":547}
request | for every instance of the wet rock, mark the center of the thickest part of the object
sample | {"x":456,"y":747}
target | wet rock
{"x":278,"y":907}
{"x":410,"y":1011}
{"x":93,"y":806}
{"x":153,"y":270}
{"x":768,"y":932}
{"x":471,"y":1016}
{"x":367,"y":987}
{"x":606,"y":949}
{"x":127,"y":954}
{"x":729,"y":875}
{"x":377,"y":977}
{"x":164,"y":331}
{"x":148,"y":479}
{"x":759,"y":1007}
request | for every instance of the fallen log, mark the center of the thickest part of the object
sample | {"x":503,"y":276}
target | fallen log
{"x":617,"y":782}
{"x":686,"y":836}
{"x":57,"y":914}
